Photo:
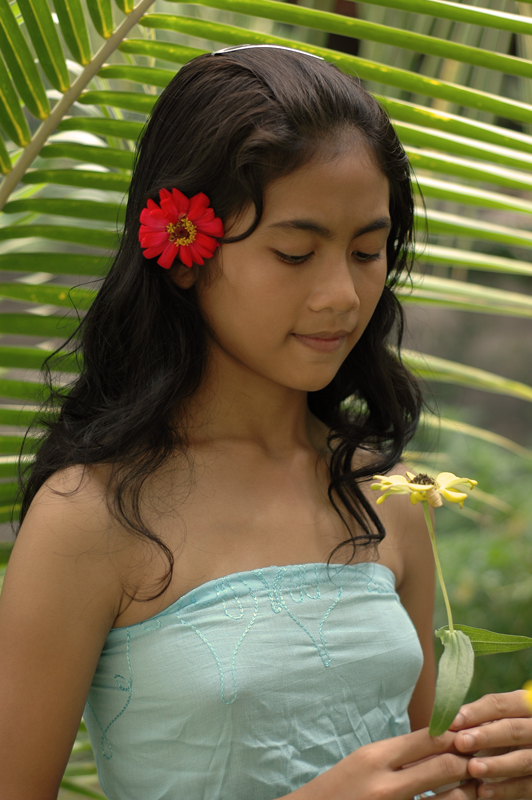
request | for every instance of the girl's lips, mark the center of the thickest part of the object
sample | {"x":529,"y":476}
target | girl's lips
{"x":323,"y":342}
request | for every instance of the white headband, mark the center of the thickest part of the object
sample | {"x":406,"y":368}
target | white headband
{"x":274,"y":46}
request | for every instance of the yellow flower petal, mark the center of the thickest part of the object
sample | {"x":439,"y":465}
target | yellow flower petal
{"x":528,"y":696}
{"x":421,"y":487}
{"x":446,"y":480}
{"x":453,"y":496}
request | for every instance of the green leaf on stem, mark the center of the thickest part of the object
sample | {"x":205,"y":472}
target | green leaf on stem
{"x":486,"y":642}
{"x":455,"y":672}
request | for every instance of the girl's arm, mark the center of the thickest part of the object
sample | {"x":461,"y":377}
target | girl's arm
{"x":61,"y":594}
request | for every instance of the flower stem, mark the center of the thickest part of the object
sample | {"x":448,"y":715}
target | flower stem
{"x":432,"y":535}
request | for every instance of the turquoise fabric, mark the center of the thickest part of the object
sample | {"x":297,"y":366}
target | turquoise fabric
{"x":251,"y":685}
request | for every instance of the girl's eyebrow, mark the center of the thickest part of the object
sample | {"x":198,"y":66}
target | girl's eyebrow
{"x":382,"y":223}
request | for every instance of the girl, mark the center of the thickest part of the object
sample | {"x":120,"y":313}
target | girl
{"x":200,"y":556}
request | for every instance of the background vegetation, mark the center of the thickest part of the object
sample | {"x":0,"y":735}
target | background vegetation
{"x":77,"y":79}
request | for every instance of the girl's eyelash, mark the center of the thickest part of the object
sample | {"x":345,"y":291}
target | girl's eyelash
{"x":292,"y":259}
{"x":366,"y":257}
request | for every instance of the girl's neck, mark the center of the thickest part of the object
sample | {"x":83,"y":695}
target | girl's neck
{"x":235,"y":403}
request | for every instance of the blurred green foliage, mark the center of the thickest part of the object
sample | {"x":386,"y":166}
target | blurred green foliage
{"x":5,"y":551}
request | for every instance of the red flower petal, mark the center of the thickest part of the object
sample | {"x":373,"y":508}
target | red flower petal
{"x":202,"y":251}
{"x":168,"y":256}
{"x":208,"y":213}
{"x":214,"y":228}
{"x":151,"y":252}
{"x":153,"y":238}
{"x":181,"y":201}
{"x":185,"y":255}
{"x":206,"y":242}
{"x":169,"y":210}
{"x":196,"y":255}
{"x":153,"y":221}
{"x":198,"y":204}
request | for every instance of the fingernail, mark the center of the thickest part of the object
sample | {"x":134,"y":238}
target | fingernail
{"x":485,"y":792}
{"x":459,"y":720}
{"x":468,"y":741}
{"x":480,"y":768}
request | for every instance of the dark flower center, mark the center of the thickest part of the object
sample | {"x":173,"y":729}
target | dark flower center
{"x":183,"y":232}
{"x":423,"y":480}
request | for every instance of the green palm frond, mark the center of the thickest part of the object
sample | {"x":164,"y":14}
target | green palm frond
{"x":465,"y":429}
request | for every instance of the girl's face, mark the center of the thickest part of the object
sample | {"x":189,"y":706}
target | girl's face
{"x":290,"y":301}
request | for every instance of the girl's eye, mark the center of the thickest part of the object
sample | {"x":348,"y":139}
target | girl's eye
{"x":366,"y":257}
{"x":291,"y":259}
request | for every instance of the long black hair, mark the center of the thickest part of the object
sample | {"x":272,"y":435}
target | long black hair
{"x":227,"y":125}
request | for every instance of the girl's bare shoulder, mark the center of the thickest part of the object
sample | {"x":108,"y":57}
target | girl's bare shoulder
{"x":70,"y":532}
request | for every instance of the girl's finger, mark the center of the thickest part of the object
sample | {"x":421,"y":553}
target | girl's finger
{"x":414,"y":747}
{"x":492,"y":707}
{"x":466,"y":791}
{"x":431,"y":774}
{"x":512,"y":732}
{"x":517,"y":789}
{"x":516,"y":764}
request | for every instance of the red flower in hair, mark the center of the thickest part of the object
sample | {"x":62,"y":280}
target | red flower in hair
{"x":179,"y":227}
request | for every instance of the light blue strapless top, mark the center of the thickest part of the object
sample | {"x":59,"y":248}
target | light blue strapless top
{"x":249,"y":686}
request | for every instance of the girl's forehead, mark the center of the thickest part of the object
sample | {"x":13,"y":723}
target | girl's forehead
{"x":350,"y":180}
{"x":331,"y":158}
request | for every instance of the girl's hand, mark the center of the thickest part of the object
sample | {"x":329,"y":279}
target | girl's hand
{"x":499,"y":725}
{"x":394,"y":769}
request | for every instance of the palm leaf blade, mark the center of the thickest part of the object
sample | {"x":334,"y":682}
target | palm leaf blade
{"x":90,"y":179}
{"x":440,"y":369}
{"x":42,"y":31}
{"x":102,"y":15}
{"x":92,"y":237}
{"x":67,"y":207}
{"x":90,"y":154}
{"x":69,"y":263}
{"x":74,"y":29}
{"x":12,"y":119}
{"x":21,"y":65}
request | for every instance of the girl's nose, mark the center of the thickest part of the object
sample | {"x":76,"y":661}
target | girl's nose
{"x":335,"y":288}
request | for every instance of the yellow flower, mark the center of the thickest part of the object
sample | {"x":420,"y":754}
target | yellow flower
{"x":528,"y":696}
{"x":423,"y":487}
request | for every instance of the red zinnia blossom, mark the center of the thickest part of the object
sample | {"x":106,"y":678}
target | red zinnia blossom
{"x":179,"y":227}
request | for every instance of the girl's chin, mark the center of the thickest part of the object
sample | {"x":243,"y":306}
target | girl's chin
{"x":311,"y":384}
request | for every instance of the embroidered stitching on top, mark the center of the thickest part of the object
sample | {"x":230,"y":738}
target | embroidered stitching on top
{"x":105,"y":744}
{"x":219,"y":589}
{"x":278,"y":603}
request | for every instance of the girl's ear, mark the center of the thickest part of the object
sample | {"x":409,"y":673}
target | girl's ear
{"x":184,"y":276}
